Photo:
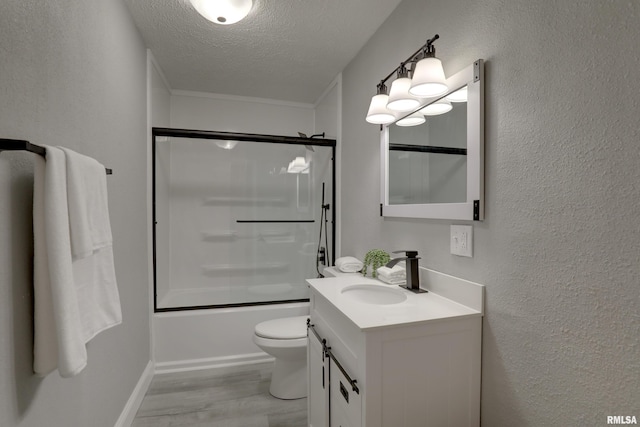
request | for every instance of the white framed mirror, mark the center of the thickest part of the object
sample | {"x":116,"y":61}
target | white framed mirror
{"x":435,"y":169}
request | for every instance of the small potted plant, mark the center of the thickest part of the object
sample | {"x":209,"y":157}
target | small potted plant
{"x":376,"y":258}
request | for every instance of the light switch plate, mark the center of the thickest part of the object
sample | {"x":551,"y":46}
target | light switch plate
{"x":462,"y":240}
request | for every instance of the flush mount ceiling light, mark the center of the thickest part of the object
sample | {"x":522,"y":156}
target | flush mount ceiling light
{"x":224,"y":12}
{"x":427,"y":81}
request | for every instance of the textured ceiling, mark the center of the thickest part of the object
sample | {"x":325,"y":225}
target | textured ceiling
{"x":288,"y":50}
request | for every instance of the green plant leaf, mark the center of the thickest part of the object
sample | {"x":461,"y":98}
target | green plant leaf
{"x":376,"y":258}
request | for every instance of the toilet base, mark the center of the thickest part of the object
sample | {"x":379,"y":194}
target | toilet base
{"x":289,"y":379}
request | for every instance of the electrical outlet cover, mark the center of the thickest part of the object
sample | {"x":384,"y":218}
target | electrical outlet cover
{"x":462,"y":240}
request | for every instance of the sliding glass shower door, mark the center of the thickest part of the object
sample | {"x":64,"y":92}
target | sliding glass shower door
{"x":239,"y":218}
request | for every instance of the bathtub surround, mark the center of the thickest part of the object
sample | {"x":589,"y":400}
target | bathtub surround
{"x":188,"y":340}
{"x":174,"y":348}
{"x":557,"y":250}
{"x":243,"y":228}
{"x":72,"y":74}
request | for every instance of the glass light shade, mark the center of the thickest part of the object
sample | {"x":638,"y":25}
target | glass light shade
{"x":297,"y":165}
{"x":399,"y":97}
{"x":378,"y":113}
{"x":439,"y":107}
{"x":414,"y":119}
{"x":428,"y":78}
{"x":458,"y":96}
{"x":227,"y":145}
{"x":224,"y":12}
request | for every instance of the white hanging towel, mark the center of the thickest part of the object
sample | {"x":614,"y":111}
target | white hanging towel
{"x":75,"y":290}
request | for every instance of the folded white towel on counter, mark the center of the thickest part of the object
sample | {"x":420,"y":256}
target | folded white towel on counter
{"x":349,"y":264}
{"x":396,"y":272}
{"x":75,"y":291}
{"x":394,"y":276}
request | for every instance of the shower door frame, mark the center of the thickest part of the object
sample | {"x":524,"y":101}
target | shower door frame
{"x":203,"y":134}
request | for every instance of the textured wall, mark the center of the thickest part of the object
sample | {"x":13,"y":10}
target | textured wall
{"x":558,"y":251}
{"x":72,"y":73}
{"x":202,"y":111}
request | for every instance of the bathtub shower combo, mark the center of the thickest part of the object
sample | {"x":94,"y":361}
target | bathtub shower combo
{"x":239,"y":219}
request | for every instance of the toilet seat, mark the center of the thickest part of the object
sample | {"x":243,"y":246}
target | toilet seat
{"x":286,"y":340}
{"x":288,"y":328}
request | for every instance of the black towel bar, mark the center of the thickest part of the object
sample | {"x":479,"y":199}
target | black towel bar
{"x":22,"y":145}
{"x":274,"y":221}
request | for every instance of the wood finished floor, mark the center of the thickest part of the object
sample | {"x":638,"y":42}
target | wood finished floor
{"x":223,"y":397}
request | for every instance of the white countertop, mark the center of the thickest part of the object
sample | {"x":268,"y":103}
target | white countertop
{"x":417,"y":308}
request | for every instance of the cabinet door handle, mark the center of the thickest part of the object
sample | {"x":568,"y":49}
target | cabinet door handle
{"x":352,"y":382}
{"x":344,"y":392}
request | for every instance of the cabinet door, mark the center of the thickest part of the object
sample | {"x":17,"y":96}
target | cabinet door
{"x":318,"y":397}
{"x":346,"y":403}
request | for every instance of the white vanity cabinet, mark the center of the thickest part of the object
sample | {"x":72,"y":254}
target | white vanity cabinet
{"x":318,"y":382}
{"x":400,"y":373}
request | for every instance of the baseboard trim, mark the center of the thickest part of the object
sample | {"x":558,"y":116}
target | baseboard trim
{"x":135,"y":400}
{"x":212,"y":362}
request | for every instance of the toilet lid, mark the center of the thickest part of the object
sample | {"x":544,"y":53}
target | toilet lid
{"x":287,"y":328}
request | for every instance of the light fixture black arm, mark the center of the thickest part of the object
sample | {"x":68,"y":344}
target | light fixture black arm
{"x":425,"y":49}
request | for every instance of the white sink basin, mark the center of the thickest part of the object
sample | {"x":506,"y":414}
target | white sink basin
{"x":374,"y":294}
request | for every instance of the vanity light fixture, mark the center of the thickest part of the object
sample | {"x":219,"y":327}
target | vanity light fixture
{"x":399,"y":97}
{"x":413,"y":119}
{"x":224,"y":12}
{"x":428,"y":76}
{"x":458,"y":96}
{"x":298,"y":165}
{"x":441,"y":106}
{"x":378,"y":113}
{"x":427,"y":81}
{"x":226,"y":144}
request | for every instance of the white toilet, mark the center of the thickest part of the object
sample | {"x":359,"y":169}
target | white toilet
{"x":286,"y":340}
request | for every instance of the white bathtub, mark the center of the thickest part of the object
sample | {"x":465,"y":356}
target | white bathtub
{"x":198,"y":339}
{"x":198,"y":297}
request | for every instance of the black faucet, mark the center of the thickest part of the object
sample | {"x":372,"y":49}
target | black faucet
{"x":413,"y":275}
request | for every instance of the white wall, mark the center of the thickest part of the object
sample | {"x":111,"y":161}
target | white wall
{"x":202,"y":111}
{"x":160,"y":94}
{"x":558,"y":251}
{"x":159,"y":115}
{"x":328,"y":119}
{"x":72,"y":73}
{"x":327,"y":110}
